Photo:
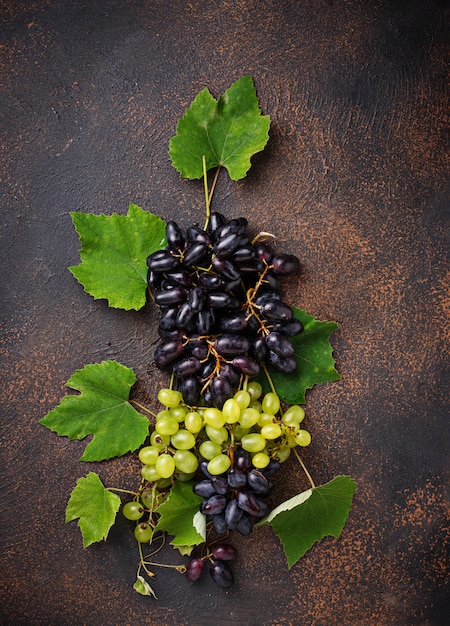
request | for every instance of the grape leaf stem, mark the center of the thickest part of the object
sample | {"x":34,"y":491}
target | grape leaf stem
{"x":303,"y":466}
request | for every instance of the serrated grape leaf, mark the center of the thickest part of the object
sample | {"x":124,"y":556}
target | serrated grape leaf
{"x":101,"y":409}
{"x":114,"y":251}
{"x":180,"y":516}
{"x":227,"y":132}
{"x":142,"y":587}
{"x":310,"y":516}
{"x":315,"y":363}
{"x":94,"y":506}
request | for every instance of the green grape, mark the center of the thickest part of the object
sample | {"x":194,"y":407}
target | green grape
{"x":183,"y":440}
{"x":167,"y":426}
{"x":163,"y":483}
{"x":254,"y":389}
{"x":219,"y":464}
{"x":218,"y":435}
{"x":290,"y":441}
{"x":231,"y":411}
{"x":169,"y":397}
{"x":239,"y":431}
{"x":159,"y":441}
{"x":161,"y":414}
{"x":303,"y":438}
{"x":265,"y":418}
{"x":178,"y":413}
{"x":282,"y":454}
{"x":149,"y":473}
{"x":185,"y":461}
{"x":294,"y":415}
{"x":271,"y":431}
{"x":256,"y":404}
{"x":253,"y":442}
{"x":183,"y":477}
{"x":209,"y":449}
{"x":260,"y":460}
{"x":143,"y":532}
{"x":133,"y":510}
{"x":242,"y":398}
{"x":214,"y":417}
{"x":249,"y":417}
{"x":148,"y":455}
{"x":193,"y":422}
{"x":147,"y":498}
{"x":271,"y":403}
{"x":165,"y":465}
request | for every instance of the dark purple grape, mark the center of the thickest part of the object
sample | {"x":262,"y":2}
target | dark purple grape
{"x":271,"y":469}
{"x":204,"y":488}
{"x":153,"y":279}
{"x":233,"y":514}
{"x":247,"y":502}
{"x":167,"y":352}
{"x":204,"y":468}
{"x":208,"y":367}
{"x":265,"y":296}
{"x":236,"y":478}
{"x":242,"y":459}
{"x":285,"y":365}
{"x":264,"y":508}
{"x":230,"y":372}
{"x":246,"y":365}
{"x":198,"y":235}
{"x":169,"y":335}
{"x":205,"y":321}
{"x":173,"y":296}
{"x":210,"y":282}
{"x":219,"y":523}
{"x":190,"y":390}
{"x":276,"y":310}
{"x":258,"y":349}
{"x":221,"y":574}
{"x":168,"y":319}
{"x":194,"y":569}
{"x":223,"y":552}
{"x":216,"y":220}
{"x":264,"y":251}
{"x":225,"y":268}
{"x":279,"y":344}
{"x":220,"y":300}
{"x":225,"y":246}
{"x":238,"y":225}
{"x":174,"y":236}
{"x":198,"y":348}
{"x":253,"y":266}
{"x":162,"y":261}
{"x":220,"y":485}
{"x":182,"y":278}
{"x":221,"y":390}
{"x":230,"y":346}
{"x":244,"y":254}
{"x":289,"y":328}
{"x":196,"y":299}
{"x":234,"y":323}
{"x":245,"y":524}
{"x":284,"y":264}
{"x":195,"y":254}
{"x":185,"y":316}
{"x":213,"y":505}
{"x":254,"y":324}
{"x":187,"y":366}
{"x":257,"y":482}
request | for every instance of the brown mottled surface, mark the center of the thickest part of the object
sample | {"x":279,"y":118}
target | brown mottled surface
{"x":354,"y":180}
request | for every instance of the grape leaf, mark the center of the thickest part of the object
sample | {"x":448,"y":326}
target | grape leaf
{"x":101,"y":409}
{"x":142,"y":587}
{"x":94,"y":506}
{"x":180,"y":516}
{"x":114,"y":251}
{"x":310,"y":516}
{"x":226,"y":132}
{"x":315,"y":363}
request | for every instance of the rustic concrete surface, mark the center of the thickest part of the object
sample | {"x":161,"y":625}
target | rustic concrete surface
{"x":354,"y":181}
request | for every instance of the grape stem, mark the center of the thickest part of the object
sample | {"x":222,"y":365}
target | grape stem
{"x":266,"y":372}
{"x":131,"y":493}
{"x":141,"y":406}
{"x":308,"y":475}
{"x":208,"y":193}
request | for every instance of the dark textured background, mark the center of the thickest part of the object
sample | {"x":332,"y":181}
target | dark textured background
{"x":354,"y":181}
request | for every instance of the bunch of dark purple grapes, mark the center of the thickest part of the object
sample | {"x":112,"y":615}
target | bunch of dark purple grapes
{"x":235,"y":499}
{"x":221,"y":311}
{"x":220,"y":557}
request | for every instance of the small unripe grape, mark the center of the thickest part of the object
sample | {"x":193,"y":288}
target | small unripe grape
{"x":253,"y":442}
{"x":149,"y":473}
{"x":214,"y":417}
{"x":255,"y":404}
{"x":193,"y":422}
{"x":294,"y":415}
{"x":183,"y":477}
{"x":143,"y":532}
{"x":249,"y":417}
{"x":271,"y":403}
{"x":303,"y":438}
{"x":260,"y":460}
{"x":271,"y":431}
{"x":178,"y":413}
{"x":161,"y":414}
{"x":254,"y":389}
{"x":231,"y":411}
{"x":183,"y":440}
{"x":242,"y":398}
{"x":170,"y":397}
{"x":282,"y":454}
{"x":218,"y":435}
{"x":148,"y":455}
{"x":239,"y":431}
{"x":219,"y":464}
{"x":165,"y":465}
{"x":209,"y":449}
{"x":265,"y":418}
{"x":133,"y":510}
{"x":167,"y":426}
{"x":185,"y":461}
{"x":159,"y":441}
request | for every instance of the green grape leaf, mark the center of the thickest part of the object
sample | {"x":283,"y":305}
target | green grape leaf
{"x":142,"y":587}
{"x":310,"y":516}
{"x":94,"y":506}
{"x":180,"y":516}
{"x":114,"y":251}
{"x":101,"y":409}
{"x":315,"y":363}
{"x":227,"y":132}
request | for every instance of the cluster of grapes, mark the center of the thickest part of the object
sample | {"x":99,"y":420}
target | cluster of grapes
{"x":221,"y":311}
{"x":220,"y":557}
